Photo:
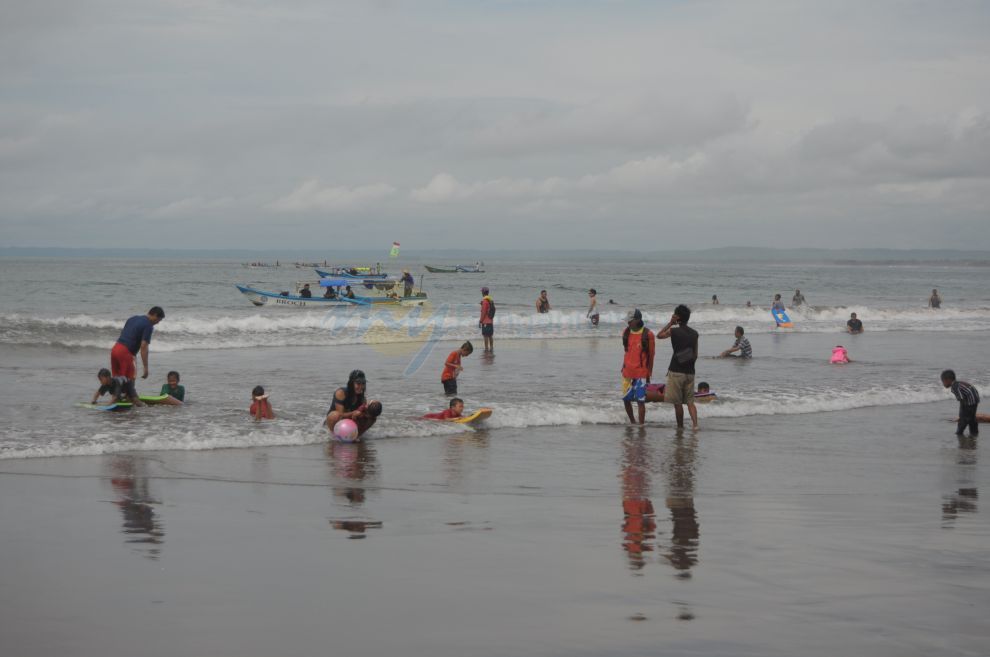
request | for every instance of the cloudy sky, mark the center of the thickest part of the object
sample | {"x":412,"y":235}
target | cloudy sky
{"x":502,"y":124}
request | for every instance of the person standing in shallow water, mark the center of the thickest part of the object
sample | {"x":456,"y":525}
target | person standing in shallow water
{"x":680,"y":372}
{"x":797,"y":299}
{"x":487,"y":320}
{"x":935,"y":301}
{"x":134,"y":338}
{"x":639,"y":345}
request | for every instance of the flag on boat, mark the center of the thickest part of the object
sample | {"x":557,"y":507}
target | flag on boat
{"x":394,"y":253}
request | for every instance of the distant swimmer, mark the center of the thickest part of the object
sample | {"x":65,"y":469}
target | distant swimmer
{"x":639,"y":345}
{"x":611,"y":302}
{"x":349,"y":404}
{"x":749,"y":304}
{"x":840,"y":356}
{"x":797,"y":299}
{"x":452,"y":413}
{"x":935,"y":301}
{"x":680,"y":372}
{"x":741,"y":345}
{"x":542,"y":303}
{"x":592,"y":313}
{"x":487,"y":320}
{"x":714,"y":299}
{"x":261,"y":408}
{"x":134,"y":337}
{"x":854,"y":325}
{"x":969,"y":399}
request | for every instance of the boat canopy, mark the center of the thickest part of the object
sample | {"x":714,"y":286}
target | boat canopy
{"x":336,"y":282}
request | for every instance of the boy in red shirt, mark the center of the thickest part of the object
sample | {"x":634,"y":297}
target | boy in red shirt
{"x":452,"y":413}
{"x":452,"y":368}
{"x":639,"y":344}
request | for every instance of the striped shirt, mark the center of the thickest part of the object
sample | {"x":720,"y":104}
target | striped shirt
{"x":745,"y":348}
{"x":966,"y":393}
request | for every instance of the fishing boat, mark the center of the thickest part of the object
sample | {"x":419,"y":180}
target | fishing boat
{"x":352,"y":272}
{"x":374,"y":292}
{"x":261,"y":265}
{"x":477,"y":268}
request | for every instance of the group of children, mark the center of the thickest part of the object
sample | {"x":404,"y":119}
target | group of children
{"x":121,"y":388}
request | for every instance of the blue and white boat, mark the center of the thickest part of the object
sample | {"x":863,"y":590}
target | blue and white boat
{"x":352,"y":273}
{"x":338,"y":290}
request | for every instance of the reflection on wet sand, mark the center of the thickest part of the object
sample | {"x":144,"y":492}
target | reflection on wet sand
{"x":351,"y":464}
{"x":964,"y":498}
{"x":461,"y":451}
{"x":639,"y":524}
{"x":142,"y":525}
{"x":679,"y":470}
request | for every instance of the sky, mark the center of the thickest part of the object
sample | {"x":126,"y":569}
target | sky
{"x":657,"y":125}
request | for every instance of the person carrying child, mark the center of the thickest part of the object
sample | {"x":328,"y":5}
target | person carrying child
{"x":452,"y":368}
{"x":452,"y":413}
{"x":349,"y":403}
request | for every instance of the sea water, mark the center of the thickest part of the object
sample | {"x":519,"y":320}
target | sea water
{"x":58,"y":320}
{"x":820,"y":509}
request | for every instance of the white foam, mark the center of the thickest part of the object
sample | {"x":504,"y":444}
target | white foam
{"x":289,"y":327}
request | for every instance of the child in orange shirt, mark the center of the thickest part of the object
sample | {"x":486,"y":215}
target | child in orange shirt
{"x":452,"y":367}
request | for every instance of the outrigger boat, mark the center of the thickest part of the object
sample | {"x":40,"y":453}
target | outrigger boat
{"x":457,"y":269}
{"x":387,"y":295}
{"x":352,"y":272}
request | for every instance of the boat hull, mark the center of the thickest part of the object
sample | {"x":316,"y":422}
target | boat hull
{"x":458,"y":269}
{"x":265,"y":298}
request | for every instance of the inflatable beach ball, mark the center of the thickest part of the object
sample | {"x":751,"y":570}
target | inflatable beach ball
{"x":346,"y":431}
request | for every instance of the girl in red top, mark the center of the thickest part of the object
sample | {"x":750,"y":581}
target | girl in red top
{"x":452,"y":367}
{"x":261,"y":408}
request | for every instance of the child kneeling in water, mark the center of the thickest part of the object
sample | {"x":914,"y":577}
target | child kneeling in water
{"x":452,"y":413}
{"x":120,"y":388}
{"x":176,"y":393}
{"x":261,"y":408}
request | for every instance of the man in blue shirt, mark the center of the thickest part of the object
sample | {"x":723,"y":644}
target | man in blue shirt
{"x":134,"y":337}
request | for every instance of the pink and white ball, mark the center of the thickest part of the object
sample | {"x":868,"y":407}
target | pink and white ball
{"x":346,"y":431}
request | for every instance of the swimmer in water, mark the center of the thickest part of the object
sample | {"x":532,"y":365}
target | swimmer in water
{"x":839,"y":356}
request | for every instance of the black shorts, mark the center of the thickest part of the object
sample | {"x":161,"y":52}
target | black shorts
{"x":487,"y":330}
{"x":449,"y":386}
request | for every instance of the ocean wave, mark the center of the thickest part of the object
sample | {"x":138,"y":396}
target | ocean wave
{"x":383,"y":326}
{"x":223,"y":432}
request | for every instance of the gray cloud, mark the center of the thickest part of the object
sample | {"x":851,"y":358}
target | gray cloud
{"x":759,"y":120}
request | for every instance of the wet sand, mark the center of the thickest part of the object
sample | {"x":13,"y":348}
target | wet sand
{"x":859,"y":532}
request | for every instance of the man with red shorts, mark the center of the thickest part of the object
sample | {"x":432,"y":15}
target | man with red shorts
{"x":134,"y":337}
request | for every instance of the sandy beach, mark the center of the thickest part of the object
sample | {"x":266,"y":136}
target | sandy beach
{"x":807,"y":539}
